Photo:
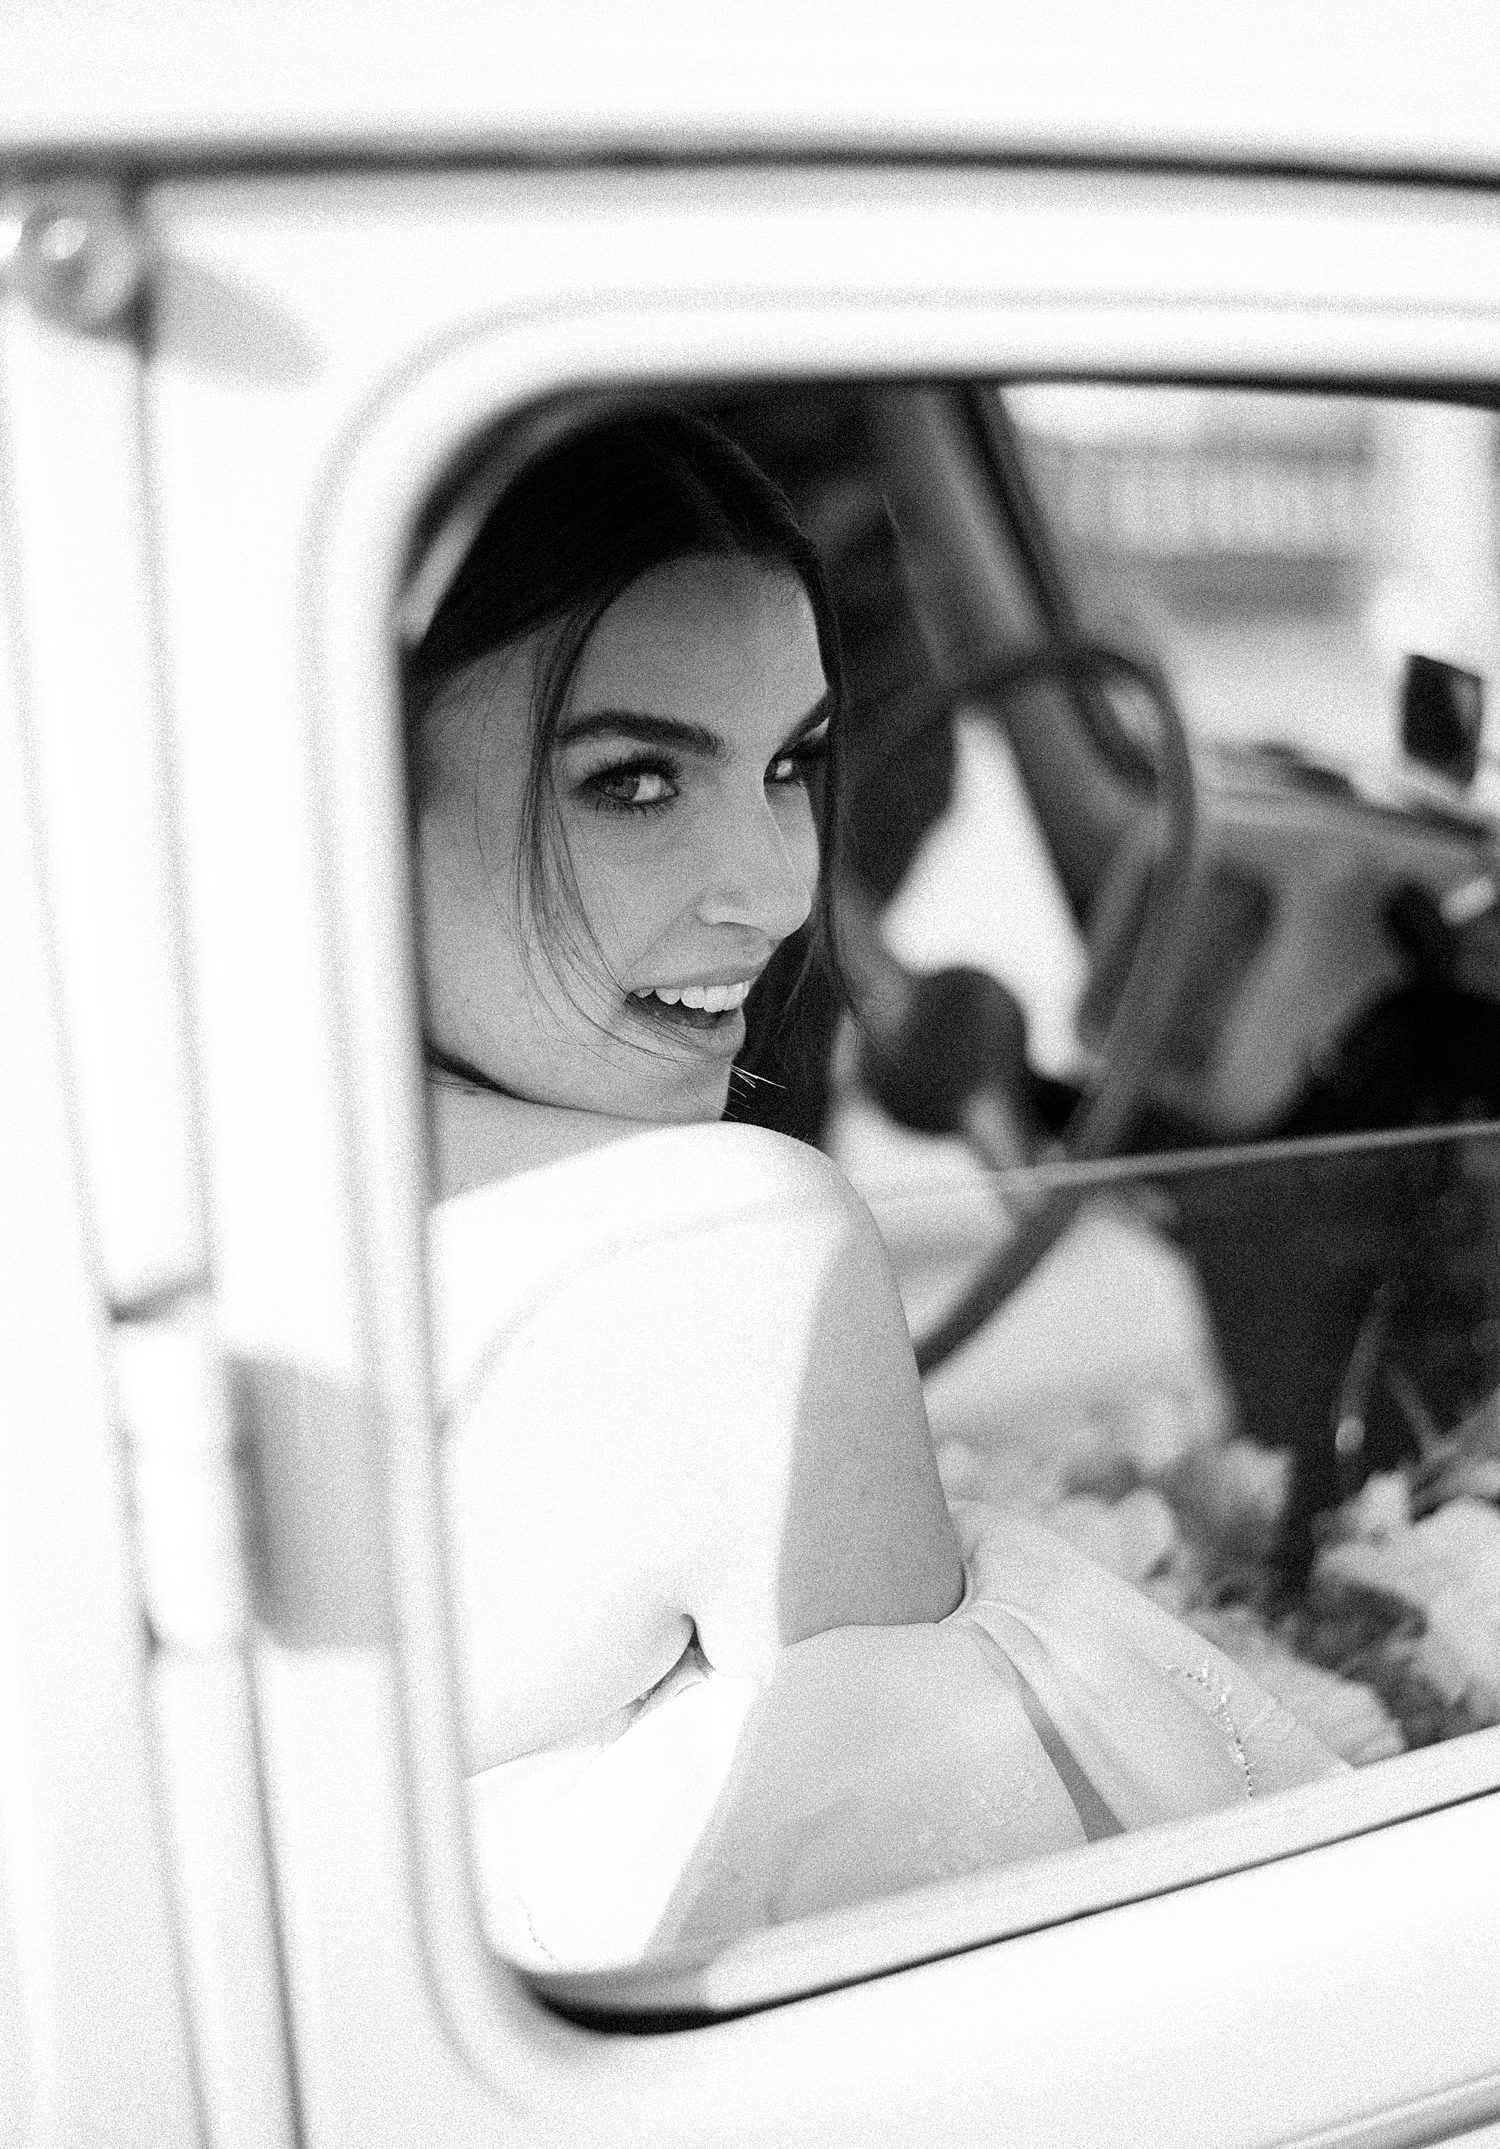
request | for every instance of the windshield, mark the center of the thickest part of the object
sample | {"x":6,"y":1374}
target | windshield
{"x":1281,"y":554}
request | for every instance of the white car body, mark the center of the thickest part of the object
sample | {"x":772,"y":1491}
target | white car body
{"x":235,"y":1903}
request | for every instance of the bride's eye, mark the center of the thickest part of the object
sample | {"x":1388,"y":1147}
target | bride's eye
{"x":799,"y":761}
{"x":633,"y":789}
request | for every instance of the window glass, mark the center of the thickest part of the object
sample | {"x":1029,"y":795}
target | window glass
{"x":1262,"y":1387}
{"x":1197,"y":1503}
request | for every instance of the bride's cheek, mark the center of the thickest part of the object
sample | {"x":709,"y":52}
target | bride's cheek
{"x":803,"y":845}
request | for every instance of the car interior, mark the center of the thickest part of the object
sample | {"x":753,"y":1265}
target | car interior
{"x":1324,"y":955}
{"x":1164,"y":1051}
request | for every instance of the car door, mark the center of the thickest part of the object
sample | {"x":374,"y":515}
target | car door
{"x":324,"y":349}
{"x":138,"y":1965}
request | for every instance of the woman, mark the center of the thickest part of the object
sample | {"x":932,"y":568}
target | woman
{"x":724,"y":1659}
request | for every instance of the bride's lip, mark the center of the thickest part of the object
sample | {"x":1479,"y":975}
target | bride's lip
{"x":748,"y":974}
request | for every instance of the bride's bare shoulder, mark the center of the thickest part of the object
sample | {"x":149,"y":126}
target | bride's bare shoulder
{"x":484,"y":1141}
{"x":686,"y":1341}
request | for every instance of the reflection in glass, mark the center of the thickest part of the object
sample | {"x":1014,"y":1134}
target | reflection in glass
{"x":1262,"y":1387}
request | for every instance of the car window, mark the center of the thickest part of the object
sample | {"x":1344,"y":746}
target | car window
{"x":1217,"y":1429}
{"x":1316,"y":576}
{"x":1262,"y":1387}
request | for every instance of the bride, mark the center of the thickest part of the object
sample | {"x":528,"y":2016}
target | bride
{"x":727,"y":1656}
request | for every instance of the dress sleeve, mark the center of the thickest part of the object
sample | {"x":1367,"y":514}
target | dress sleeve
{"x":1053,"y":1706}
{"x":1164,"y":1723}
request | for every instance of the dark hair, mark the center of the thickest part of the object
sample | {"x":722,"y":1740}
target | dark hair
{"x":582,"y":522}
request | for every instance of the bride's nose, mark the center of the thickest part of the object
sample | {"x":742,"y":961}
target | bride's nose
{"x":757,"y":873}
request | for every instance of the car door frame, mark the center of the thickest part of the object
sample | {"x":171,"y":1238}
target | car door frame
{"x":323,"y":345}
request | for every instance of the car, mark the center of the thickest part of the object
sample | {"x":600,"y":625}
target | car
{"x":279,"y":301}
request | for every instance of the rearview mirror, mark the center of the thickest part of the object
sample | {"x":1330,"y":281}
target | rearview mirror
{"x":1442,"y":714}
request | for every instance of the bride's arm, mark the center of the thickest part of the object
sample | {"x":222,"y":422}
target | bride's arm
{"x":710,"y":1420}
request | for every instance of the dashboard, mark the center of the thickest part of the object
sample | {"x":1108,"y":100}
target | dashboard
{"x":1320,"y":896}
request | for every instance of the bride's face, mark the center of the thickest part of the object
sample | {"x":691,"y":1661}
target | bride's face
{"x":680,"y":804}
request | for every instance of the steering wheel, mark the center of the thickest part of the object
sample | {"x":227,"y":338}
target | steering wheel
{"x":1147,"y":1000}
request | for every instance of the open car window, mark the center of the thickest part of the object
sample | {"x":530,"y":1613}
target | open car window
{"x":1317,"y":576}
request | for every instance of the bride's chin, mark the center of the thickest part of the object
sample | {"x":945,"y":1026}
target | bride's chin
{"x":683,"y":1091}
{"x":683,"y":1103}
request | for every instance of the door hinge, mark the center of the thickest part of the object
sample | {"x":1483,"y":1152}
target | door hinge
{"x":189,"y":1477}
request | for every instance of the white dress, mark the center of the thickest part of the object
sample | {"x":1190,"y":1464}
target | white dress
{"x":1053,"y":1707}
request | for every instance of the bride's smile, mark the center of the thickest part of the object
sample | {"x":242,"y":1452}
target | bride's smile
{"x":677,"y":837}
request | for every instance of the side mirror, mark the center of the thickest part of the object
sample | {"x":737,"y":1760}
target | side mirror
{"x":1442,"y":714}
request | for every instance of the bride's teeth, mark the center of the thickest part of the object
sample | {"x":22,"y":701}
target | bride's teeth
{"x":711,"y":999}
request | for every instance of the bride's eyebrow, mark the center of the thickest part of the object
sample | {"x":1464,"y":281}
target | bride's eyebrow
{"x":644,"y":729}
